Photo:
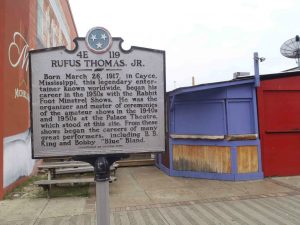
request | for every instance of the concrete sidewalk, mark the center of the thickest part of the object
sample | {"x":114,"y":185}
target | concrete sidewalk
{"x":145,"y":195}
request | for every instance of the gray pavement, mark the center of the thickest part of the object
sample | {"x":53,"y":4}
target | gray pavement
{"x":145,"y":196}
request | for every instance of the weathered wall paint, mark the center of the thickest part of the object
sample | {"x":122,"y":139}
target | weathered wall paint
{"x":213,"y":159}
{"x":17,"y":158}
{"x":32,"y":24}
{"x":247,"y":159}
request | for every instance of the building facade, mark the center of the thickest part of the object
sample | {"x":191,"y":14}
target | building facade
{"x":27,"y":25}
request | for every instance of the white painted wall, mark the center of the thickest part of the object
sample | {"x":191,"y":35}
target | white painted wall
{"x":17,"y":157}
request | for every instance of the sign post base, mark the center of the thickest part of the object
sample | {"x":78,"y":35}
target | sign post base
{"x":101,"y":166}
{"x":102,"y":203}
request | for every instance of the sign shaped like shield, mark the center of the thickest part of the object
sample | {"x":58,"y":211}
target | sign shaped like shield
{"x":97,"y":99}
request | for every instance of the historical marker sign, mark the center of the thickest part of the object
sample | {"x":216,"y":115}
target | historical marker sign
{"x":97,"y":99}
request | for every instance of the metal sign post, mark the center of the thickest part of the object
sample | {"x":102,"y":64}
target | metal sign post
{"x":102,"y":174}
{"x":101,"y":166}
{"x":102,"y":203}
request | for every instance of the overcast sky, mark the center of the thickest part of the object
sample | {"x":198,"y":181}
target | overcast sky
{"x":209,"y":40}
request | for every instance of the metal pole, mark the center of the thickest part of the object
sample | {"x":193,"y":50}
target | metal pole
{"x":102,"y":175}
{"x":101,"y":166}
{"x":102,"y":203}
{"x":256,"y":69}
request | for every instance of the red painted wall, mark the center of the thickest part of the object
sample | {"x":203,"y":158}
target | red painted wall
{"x":19,"y":22}
{"x":16,"y":47}
{"x":2,"y":25}
{"x":21,"y":35}
{"x":279,"y":123}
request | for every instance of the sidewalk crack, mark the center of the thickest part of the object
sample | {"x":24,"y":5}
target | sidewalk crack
{"x":38,"y":216}
{"x":289,"y":186}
